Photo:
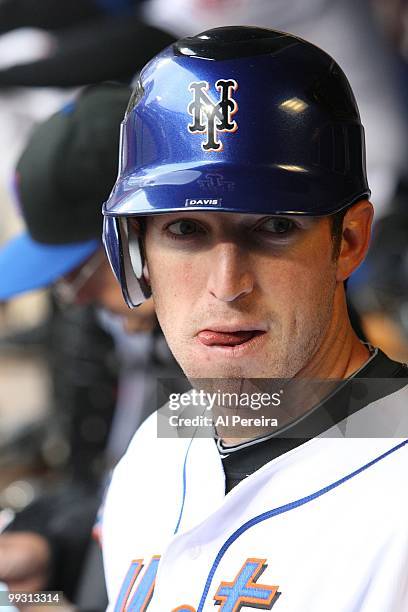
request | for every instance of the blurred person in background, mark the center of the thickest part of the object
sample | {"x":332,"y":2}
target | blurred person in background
{"x":93,"y":41}
{"x":63,"y":175}
{"x":380,"y":289}
{"x":48,"y":46}
{"x":381,"y":293}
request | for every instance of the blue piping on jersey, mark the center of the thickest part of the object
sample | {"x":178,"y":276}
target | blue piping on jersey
{"x":184,"y":487}
{"x":282,"y":509}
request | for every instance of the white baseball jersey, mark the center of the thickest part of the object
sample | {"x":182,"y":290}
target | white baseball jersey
{"x":321,"y":528}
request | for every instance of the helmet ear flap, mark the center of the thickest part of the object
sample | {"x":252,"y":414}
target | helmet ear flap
{"x":111,"y":242}
{"x":137,"y":290}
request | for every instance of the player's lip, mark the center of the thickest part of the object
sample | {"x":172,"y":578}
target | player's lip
{"x":229,"y":338}
{"x":232,"y":344}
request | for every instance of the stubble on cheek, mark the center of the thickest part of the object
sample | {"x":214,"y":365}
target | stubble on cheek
{"x":310,"y":322}
{"x":297,"y":327}
{"x":174,"y":305}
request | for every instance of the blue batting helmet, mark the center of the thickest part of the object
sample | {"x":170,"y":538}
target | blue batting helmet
{"x":236,"y":119}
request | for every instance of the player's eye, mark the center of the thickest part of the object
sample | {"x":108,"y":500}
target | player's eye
{"x":184,"y":227}
{"x":276,"y":225}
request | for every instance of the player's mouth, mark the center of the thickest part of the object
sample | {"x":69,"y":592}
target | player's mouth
{"x":230,"y":340}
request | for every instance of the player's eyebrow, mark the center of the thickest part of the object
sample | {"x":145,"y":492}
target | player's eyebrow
{"x":223,"y":217}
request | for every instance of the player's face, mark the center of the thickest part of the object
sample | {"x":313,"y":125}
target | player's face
{"x":241,"y":295}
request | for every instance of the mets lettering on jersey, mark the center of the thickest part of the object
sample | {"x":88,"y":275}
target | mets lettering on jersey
{"x":243,"y":590}
{"x":321,"y":528}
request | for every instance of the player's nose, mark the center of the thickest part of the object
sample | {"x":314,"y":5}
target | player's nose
{"x":230,"y":277}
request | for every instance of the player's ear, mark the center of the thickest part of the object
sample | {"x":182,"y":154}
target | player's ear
{"x":355,"y":238}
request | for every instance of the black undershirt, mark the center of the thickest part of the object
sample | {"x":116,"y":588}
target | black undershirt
{"x":240,"y":461}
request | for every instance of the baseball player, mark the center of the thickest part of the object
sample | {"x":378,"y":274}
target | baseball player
{"x":242,"y":206}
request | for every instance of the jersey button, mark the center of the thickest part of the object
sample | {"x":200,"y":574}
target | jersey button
{"x":195,"y":552}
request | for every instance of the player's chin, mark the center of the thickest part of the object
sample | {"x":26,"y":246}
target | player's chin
{"x":226,"y":362}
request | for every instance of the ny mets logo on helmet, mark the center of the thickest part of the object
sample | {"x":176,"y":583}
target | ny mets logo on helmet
{"x":211,"y":117}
